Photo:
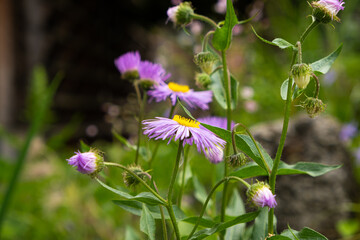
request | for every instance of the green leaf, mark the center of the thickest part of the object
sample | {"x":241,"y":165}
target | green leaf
{"x":123,"y":140}
{"x":284,"y":89}
{"x":260,"y":225}
{"x":222,"y":226}
{"x":304,"y":234}
{"x":312,"y":169}
{"x":222,"y":36}
{"x":130,"y":234}
{"x":84,"y":147}
{"x":235,"y":208}
{"x":323,"y":65}
{"x":245,"y":144}
{"x":203,"y":222}
{"x":136,"y":208}
{"x":279,"y":237}
{"x":147,"y":223}
{"x":200,"y":191}
{"x":217,"y":87}
{"x":279,"y":42}
{"x":145,"y":197}
{"x":185,"y":110}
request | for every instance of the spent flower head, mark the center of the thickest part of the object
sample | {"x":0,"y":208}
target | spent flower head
{"x":128,"y":65}
{"x":326,"y":10}
{"x":90,"y":163}
{"x":206,"y":61}
{"x":188,"y":131}
{"x":195,"y":99}
{"x":130,"y":180}
{"x":202,"y":80}
{"x":313,"y":106}
{"x":181,"y":14}
{"x":261,"y":196}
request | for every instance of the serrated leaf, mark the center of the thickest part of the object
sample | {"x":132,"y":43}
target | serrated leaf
{"x":279,"y":42}
{"x":145,"y":197}
{"x":323,"y":65}
{"x":312,"y":169}
{"x":304,"y":234}
{"x":147,"y":223}
{"x":222,"y":226}
{"x":222,"y":36}
{"x":245,"y":144}
{"x":135,"y":208}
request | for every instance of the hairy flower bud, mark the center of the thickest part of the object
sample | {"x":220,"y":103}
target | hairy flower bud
{"x":326,"y":10}
{"x":202,"y":80}
{"x":181,"y":14}
{"x":90,"y":163}
{"x":131,"y":180}
{"x":260,"y":195}
{"x":237,"y":160}
{"x":206,"y":61}
{"x":313,"y":106}
{"x":301,"y":74}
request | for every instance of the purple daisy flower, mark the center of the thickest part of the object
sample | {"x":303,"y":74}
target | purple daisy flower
{"x":261,"y":196}
{"x":128,"y":62}
{"x":333,"y":6}
{"x":200,"y":99}
{"x":87,"y":162}
{"x":188,"y":131}
{"x":152,"y":72}
{"x":348,"y":131}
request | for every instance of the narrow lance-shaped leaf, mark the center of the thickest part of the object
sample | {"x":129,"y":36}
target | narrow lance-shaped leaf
{"x":279,"y":42}
{"x":304,"y":234}
{"x":219,"y":92}
{"x":323,"y":65}
{"x":147,"y":223}
{"x":222,"y":36}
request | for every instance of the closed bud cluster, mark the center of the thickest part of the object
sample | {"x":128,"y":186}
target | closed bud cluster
{"x":313,"y":106}
{"x":131,"y":180}
{"x":261,"y":196}
{"x":181,"y":14}
{"x":237,"y":160}
{"x":301,"y":74}
{"x":206,"y":61}
{"x":202,"y":80}
{"x":325,"y":11}
{"x":90,"y":163}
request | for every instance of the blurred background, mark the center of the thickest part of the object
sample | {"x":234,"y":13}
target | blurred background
{"x":77,"y":42}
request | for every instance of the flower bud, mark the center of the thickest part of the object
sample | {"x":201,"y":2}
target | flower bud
{"x":130,"y":180}
{"x":301,"y":74}
{"x":313,"y":106}
{"x":326,"y":10}
{"x":181,"y":14}
{"x":237,"y":160}
{"x":206,"y":61}
{"x":128,"y":65}
{"x":202,"y":80}
{"x":90,"y":163}
{"x":260,"y":195}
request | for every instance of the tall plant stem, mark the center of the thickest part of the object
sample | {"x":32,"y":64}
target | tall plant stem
{"x":227,"y":86}
{"x":171,"y":188}
{"x":141,"y":116}
{"x":181,"y":192}
{"x":279,"y":151}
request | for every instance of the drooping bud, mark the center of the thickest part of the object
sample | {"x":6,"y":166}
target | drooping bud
{"x":326,"y":10}
{"x":202,"y":80}
{"x":261,"y":196}
{"x":131,"y":180}
{"x":90,"y":163}
{"x":301,"y":74}
{"x":206,"y":61}
{"x":313,"y":106}
{"x":237,"y":160}
{"x":181,"y":14}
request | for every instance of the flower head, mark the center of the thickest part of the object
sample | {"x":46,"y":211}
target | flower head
{"x":261,"y":196}
{"x":128,"y":65}
{"x":326,"y":10}
{"x":89,"y":163}
{"x":301,"y":74}
{"x":188,"y":131}
{"x":152,"y":74}
{"x":200,"y":99}
{"x":130,"y":180}
{"x":313,"y":106}
{"x":181,"y":14}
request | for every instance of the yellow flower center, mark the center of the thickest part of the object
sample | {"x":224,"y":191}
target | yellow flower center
{"x":178,"y":88}
{"x":186,"y":122}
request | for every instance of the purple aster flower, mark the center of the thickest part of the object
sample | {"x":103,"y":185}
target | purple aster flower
{"x":326,"y":10}
{"x":215,"y":121}
{"x":261,"y":196}
{"x":152,"y":73}
{"x":200,"y":99}
{"x":88,"y":162}
{"x":128,"y":64}
{"x":188,"y":131}
{"x":334,"y":6}
{"x":348,"y":131}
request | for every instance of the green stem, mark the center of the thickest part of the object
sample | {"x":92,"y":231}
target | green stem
{"x":204,"y":19}
{"x":226,"y":179}
{"x":171,"y":188}
{"x":272,"y":179}
{"x":181,"y":192}
{"x":141,"y":116}
{"x":317,"y":90}
{"x":172,"y":109}
{"x":138,"y":178}
{"x":206,"y":39}
{"x":163,"y":220}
